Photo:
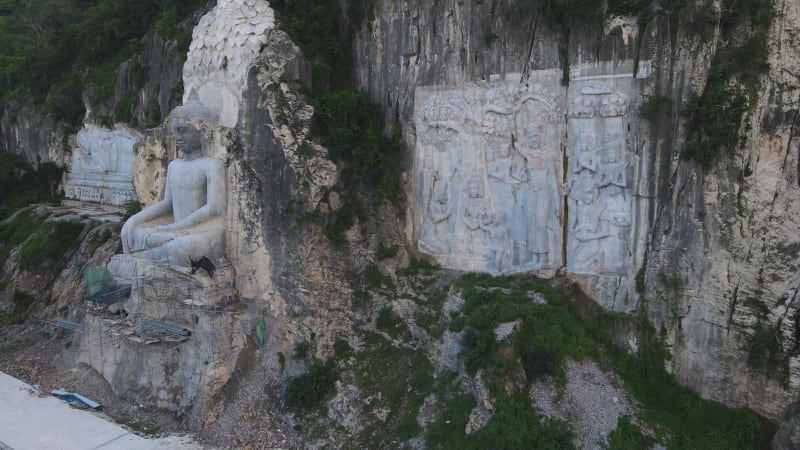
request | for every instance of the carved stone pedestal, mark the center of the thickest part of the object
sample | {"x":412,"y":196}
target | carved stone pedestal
{"x":176,"y":340}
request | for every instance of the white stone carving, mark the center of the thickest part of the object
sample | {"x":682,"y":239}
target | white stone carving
{"x":224,"y":44}
{"x":599,"y":197}
{"x":490,"y":162}
{"x":102,"y":161}
{"x":487,"y":171}
{"x":188,"y":223}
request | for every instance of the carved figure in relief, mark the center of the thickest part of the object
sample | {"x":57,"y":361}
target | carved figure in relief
{"x":475,"y":216}
{"x":498,"y":236}
{"x":618,"y":217}
{"x":508,"y":177}
{"x":586,"y":228}
{"x":613,"y":174}
{"x":443,"y":140}
{"x":506,"y":166}
{"x":581,"y":108}
{"x":613,"y":169}
{"x":585,"y":156}
{"x":543,"y":208}
{"x":613,"y":105}
{"x":188,"y":223}
{"x":436,"y":238}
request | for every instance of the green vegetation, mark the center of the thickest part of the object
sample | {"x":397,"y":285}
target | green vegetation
{"x":656,"y":107}
{"x":765,"y":351}
{"x":51,"y":49}
{"x":572,"y":325}
{"x":391,"y":323}
{"x":401,"y":378}
{"x":51,"y":241}
{"x":300,"y":350}
{"x":131,"y":207}
{"x":351,"y":127}
{"x":22,"y":303}
{"x":398,"y":378}
{"x":22,"y":185}
{"x":43,"y":241}
{"x":417,"y":266}
{"x":546,"y":335}
{"x":515,"y":425}
{"x":348,"y":122}
{"x":715,"y":117}
{"x":14,"y":232}
{"x":387,"y":252}
{"x":374,"y":279}
{"x":679,"y":417}
{"x":628,"y":436}
{"x":315,"y":27}
{"x":308,"y":391}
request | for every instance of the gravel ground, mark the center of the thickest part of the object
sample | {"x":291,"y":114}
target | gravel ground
{"x":245,"y":418}
{"x":591,"y":401}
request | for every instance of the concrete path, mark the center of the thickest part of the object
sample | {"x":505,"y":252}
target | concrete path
{"x":31,"y":421}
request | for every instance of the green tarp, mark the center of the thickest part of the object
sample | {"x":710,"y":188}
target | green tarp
{"x":96,"y":279}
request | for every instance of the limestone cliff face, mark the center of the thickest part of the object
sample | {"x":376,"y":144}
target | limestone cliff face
{"x":720,"y":272}
{"x":37,"y":137}
{"x":730,"y":237}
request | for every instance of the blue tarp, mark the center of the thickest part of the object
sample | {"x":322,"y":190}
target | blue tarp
{"x":73,"y":397}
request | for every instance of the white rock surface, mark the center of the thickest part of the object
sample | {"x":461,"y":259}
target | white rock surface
{"x":224,"y":45}
{"x":102,"y":165}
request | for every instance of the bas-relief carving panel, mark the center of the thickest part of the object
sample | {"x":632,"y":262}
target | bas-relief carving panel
{"x":487,"y":174}
{"x":490,"y":163}
{"x":599,"y":181}
{"x":100,"y":169}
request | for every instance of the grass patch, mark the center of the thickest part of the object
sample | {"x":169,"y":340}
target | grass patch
{"x":22,"y":302}
{"x":419,"y":266}
{"x":374,"y":279}
{"x":51,"y":241}
{"x":572,"y":325}
{"x":546,"y":335}
{"x":308,"y":391}
{"x":387,"y":252}
{"x":400,"y":379}
{"x":628,"y":436}
{"x":515,"y":425}
{"x":22,"y":185}
{"x":16,"y":231}
{"x":391,"y":323}
{"x":448,"y":430}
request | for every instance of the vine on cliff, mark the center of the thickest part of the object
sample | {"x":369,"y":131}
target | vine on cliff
{"x":715,"y":117}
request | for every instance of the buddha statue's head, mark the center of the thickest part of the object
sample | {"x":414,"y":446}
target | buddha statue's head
{"x":192,"y":123}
